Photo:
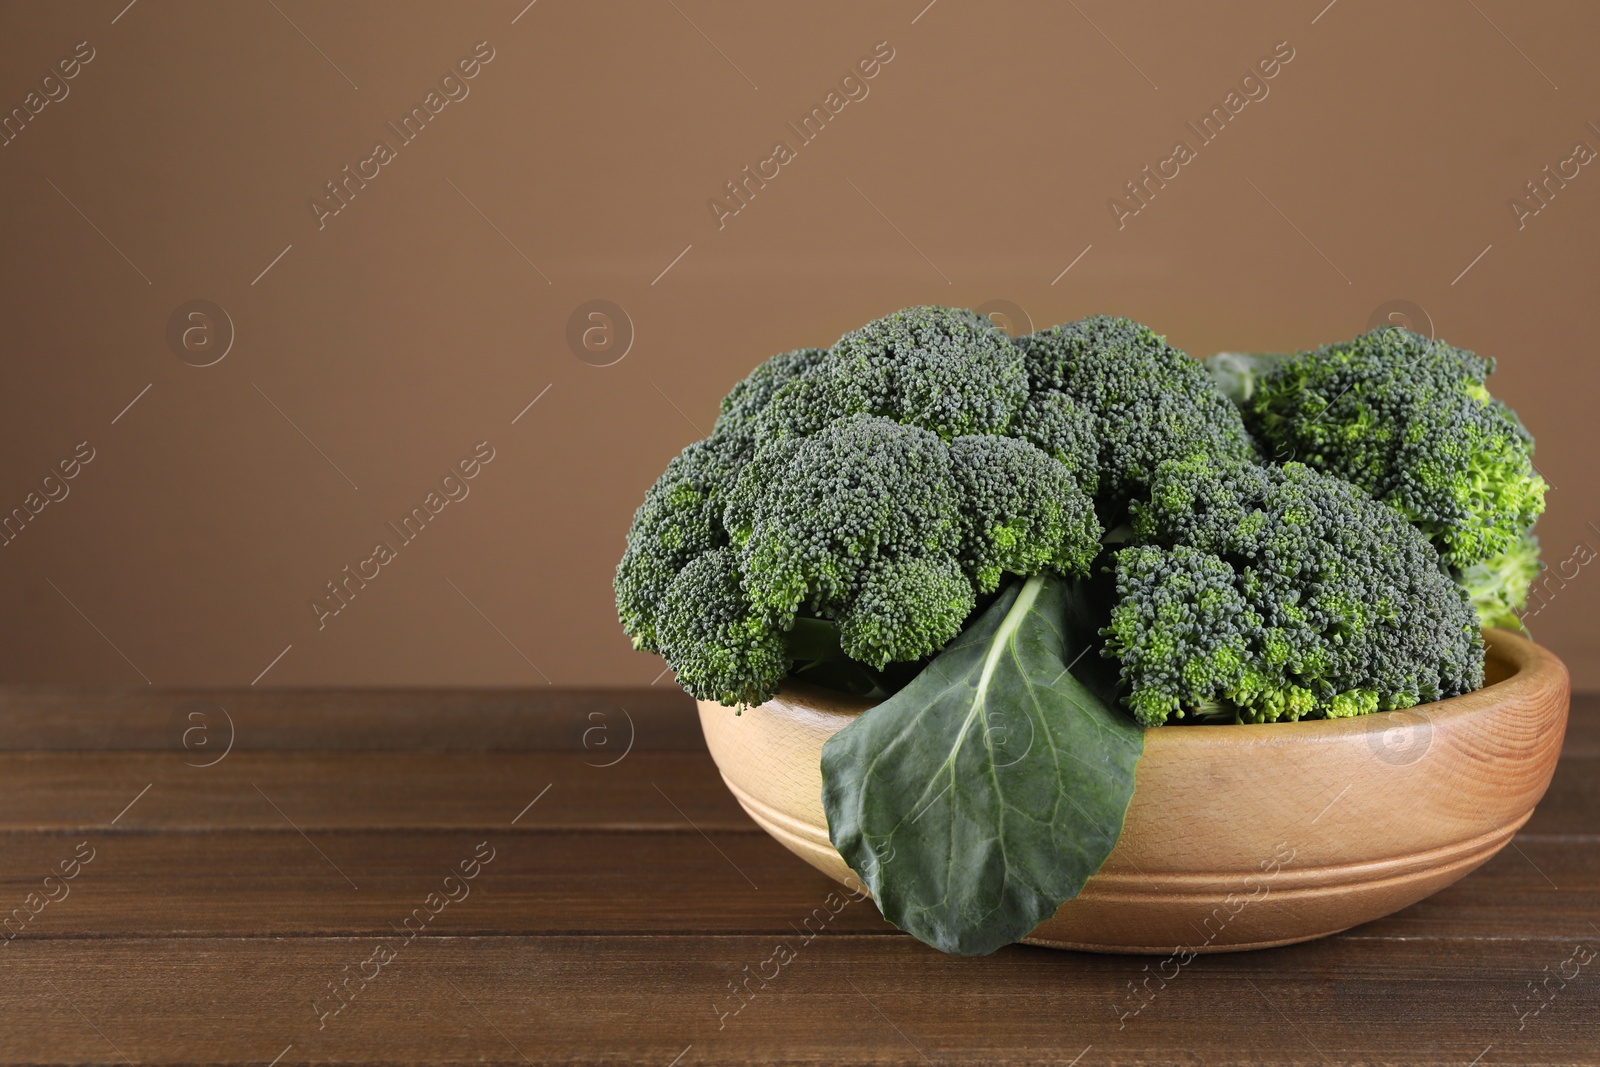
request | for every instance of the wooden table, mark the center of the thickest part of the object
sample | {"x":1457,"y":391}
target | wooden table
{"x":555,"y":876}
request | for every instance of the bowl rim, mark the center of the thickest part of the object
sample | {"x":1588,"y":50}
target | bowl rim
{"x":1534,"y":669}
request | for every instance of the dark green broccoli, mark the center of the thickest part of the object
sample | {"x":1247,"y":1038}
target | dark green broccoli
{"x":1264,"y":593}
{"x":680,"y":519}
{"x":1023,"y":512}
{"x":947,"y":370}
{"x":872,"y":525}
{"x":814,"y":517}
{"x":1065,"y":430}
{"x":722,"y":648}
{"x":868,"y":488}
{"x":742,"y":407}
{"x":891,"y":532}
{"x":1186,"y":637}
{"x":1409,"y":420}
{"x":905,"y":609}
{"x":1149,"y":402}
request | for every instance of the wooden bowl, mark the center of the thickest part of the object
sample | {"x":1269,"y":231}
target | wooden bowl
{"x":1239,"y":836}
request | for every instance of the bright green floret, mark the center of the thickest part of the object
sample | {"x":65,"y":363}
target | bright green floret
{"x":1499,"y":586}
{"x":1264,"y":593}
{"x":1147,"y":401}
{"x":1409,"y":420}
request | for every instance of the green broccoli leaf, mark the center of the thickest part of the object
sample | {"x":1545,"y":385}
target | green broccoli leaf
{"x":984,"y":794}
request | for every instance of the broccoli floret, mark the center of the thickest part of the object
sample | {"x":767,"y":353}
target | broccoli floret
{"x":1499,"y":586}
{"x":947,"y":370}
{"x":1185,"y":635}
{"x":680,"y":519}
{"x":824,"y":512}
{"x":1149,"y":401}
{"x":1409,"y":420}
{"x":745,"y":402}
{"x":1065,"y":430}
{"x":905,"y":609}
{"x":1340,"y":606}
{"x":681,"y":516}
{"x":1022,"y":512}
{"x":720,"y":646}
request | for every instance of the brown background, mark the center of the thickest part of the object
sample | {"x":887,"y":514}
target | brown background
{"x":408,"y":328}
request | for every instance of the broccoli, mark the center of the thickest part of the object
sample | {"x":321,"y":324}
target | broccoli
{"x":947,"y":370}
{"x":1147,"y":401}
{"x":1258,"y":593}
{"x":870,"y":487}
{"x":742,"y":407}
{"x":1499,"y":586}
{"x":817,"y":516}
{"x":1024,"y":512}
{"x":1409,"y":420}
{"x":680,"y":519}
{"x":722,"y":647}
{"x":1185,"y":635}
{"x":869,"y":497}
{"x":884,"y":528}
{"x":1065,"y":430}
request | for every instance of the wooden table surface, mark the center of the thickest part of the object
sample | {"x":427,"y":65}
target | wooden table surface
{"x":557,"y":876}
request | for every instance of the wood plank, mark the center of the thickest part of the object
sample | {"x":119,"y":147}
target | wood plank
{"x":331,"y":790}
{"x":838,"y":999}
{"x":608,"y":927}
{"x":64,"y":718}
{"x":279,"y":883}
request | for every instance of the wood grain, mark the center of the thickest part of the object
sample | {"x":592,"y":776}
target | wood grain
{"x":842,"y":999}
{"x":42,"y":717}
{"x":612,"y":919}
{"x":272,"y":883}
{"x":331,"y":790}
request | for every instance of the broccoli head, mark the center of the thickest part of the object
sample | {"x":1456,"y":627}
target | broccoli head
{"x":869,"y":487}
{"x":1409,"y":420}
{"x":1148,"y":401}
{"x":813,"y":517}
{"x":1263,"y":593}
{"x":947,"y":370}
